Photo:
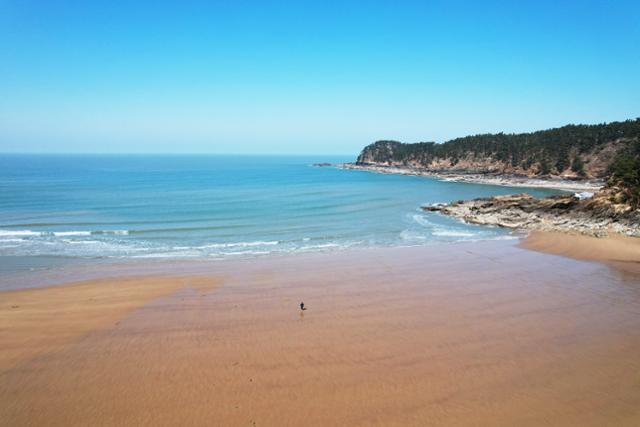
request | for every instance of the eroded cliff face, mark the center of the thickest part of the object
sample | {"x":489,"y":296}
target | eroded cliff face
{"x":390,"y":153}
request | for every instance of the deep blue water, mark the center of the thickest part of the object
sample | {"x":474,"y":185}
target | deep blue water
{"x":137,"y":206}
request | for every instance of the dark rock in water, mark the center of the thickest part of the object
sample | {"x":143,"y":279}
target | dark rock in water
{"x":322,"y":165}
{"x":435,"y":207}
{"x":596,"y":215}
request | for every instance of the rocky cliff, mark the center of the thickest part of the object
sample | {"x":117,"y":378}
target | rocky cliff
{"x":595,"y":162}
{"x":573,"y":151}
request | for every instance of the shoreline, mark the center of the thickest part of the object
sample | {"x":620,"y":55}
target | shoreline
{"x":114,"y":268}
{"x":86,"y":270}
{"x":487,"y":179}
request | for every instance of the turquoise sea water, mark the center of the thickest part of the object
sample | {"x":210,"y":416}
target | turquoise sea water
{"x":216,"y":207}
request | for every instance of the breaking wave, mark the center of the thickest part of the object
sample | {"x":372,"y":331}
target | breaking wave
{"x":29,"y":233}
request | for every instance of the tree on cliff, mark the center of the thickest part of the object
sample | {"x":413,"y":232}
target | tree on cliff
{"x":545,"y":167}
{"x":625,"y":173}
{"x":577,"y":166}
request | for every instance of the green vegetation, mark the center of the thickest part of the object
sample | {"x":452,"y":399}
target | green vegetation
{"x":625,"y":172}
{"x":577,"y":166}
{"x":545,"y":167}
{"x":551,"y":150}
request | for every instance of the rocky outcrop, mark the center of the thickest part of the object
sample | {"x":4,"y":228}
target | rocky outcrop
{"x":597,"y":215}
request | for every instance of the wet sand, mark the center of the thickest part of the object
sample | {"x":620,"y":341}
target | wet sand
{"x":465,"y":334}
{"x":36,"y":322}
{"x":618,"y":251}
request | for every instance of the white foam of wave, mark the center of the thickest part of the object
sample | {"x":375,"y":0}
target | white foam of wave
{"x":422,"y":220}
{"x":79,"y":242}
{"x":436,"y":230}
{"x":246,"y":253}
{"x":69,"y":233}
{"x":452,"y":233}
{"x":11,"y":240}
{"x":484,"y":239}
{"x":221,"y":253}
{"x":5,"y":246}
{"x":73,"y":247}
{"x":409,"y":235}
{"x":19,"y":233}
{"x":241,"y":244}
{"x":505,"y":237}
{"x":170,"y":254}
{"x":30,"y":233}
{"x":323,"y":246}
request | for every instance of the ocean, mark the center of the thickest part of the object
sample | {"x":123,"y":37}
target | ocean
{"x":217,"y":207}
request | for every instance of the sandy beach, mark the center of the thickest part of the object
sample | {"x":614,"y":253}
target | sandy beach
{"x":45,"y":320}
{"x":460,"y":334}
{"x":619,"y":251}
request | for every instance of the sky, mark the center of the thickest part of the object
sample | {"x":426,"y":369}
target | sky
{"x":304,"y":77}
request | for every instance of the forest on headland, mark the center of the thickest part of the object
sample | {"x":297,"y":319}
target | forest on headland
{"x":608,"y":151}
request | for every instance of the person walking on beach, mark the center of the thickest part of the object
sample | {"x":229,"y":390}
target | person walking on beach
{"x":302,"y":306}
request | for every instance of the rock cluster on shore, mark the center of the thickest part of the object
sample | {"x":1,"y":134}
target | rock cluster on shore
{"x":595,"y":216}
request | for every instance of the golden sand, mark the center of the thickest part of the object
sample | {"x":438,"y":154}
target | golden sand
{"x":464,"y":336}
{"x":619,"y":251}
{"x":42,"y":320}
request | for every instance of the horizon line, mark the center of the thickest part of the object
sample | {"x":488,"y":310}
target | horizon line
{"x":80,"y":153}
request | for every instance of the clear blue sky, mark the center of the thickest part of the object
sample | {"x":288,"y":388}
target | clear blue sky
{"x":306,"y":77}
